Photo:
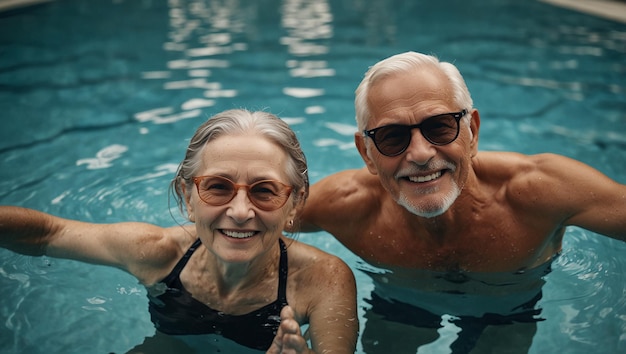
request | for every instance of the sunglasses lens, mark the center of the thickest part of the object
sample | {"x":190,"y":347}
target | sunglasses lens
{"x":268,"y":195}
{"x":216,"y":190}
{"x":440,"y":130}
{"x":392,"y":139}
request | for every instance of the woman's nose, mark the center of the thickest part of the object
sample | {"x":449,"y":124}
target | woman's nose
{"x":240,"y":207}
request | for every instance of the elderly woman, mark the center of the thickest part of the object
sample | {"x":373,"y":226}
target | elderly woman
{"x":231,"y":272}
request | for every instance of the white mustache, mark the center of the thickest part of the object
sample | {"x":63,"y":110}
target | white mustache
{"x":431,"y":166}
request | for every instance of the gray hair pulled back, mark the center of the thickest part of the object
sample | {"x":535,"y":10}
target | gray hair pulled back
{"x":240,"y":121}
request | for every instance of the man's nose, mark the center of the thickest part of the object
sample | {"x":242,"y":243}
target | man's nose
{"x":420,"y":150}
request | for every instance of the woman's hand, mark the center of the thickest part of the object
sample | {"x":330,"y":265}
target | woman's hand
{"x":289,"y":339}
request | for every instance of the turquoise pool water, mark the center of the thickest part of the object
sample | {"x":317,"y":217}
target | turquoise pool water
{"x":98,"y":98}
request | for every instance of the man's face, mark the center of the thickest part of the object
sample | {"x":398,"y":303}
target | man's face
{"x":426,"y":179}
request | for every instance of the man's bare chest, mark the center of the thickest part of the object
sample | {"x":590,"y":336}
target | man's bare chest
{"x":489,"y":249}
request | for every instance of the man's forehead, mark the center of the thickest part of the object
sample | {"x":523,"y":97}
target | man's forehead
{"x":423,"y":81}
{"x":411,"y":89}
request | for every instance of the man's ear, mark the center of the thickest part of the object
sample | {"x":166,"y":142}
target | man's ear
{"x":474,"y":128}
{"x":359,"y":141}
{"x":188,"y":205}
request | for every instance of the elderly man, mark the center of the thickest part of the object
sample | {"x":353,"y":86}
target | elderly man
{"x":463,"y":237}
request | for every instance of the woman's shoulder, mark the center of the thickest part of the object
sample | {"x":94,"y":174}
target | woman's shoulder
{"x":316,"y":277}
{"x":161,"y":249}
{"x":304,"y":258}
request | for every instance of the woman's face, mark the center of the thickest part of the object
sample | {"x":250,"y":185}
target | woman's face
{"x":239,"y":231}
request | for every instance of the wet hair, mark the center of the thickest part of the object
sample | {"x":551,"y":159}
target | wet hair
{"x":404,"y":63}
{"x":241,"y":121}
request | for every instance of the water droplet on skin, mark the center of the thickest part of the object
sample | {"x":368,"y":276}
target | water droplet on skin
{"x":274,"y":318}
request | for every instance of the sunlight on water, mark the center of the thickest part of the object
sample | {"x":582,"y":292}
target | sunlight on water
{"x":99,"y":100}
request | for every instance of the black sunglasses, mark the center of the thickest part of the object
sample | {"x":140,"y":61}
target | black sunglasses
{"x":394,"y":139}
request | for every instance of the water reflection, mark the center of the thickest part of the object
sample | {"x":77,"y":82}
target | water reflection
{"x":104,"y":157}
{"x":204,"y":36}
{"x":308,"y":24}
{"x":198,"y":32}
{"x":541,"y":85}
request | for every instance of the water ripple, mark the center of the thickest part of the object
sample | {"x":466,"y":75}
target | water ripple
{"x":590,"y":289}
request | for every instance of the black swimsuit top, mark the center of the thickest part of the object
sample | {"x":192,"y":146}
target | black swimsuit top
{"x":174,"y":311}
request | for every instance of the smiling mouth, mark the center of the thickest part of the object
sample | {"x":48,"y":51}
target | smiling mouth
{"x":422,"y":179}
{"x":238,"y":234}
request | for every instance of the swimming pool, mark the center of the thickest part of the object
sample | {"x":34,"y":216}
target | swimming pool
{"x":98,"y":98}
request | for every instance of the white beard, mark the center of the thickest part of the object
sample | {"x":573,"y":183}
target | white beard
{"x":431,"y":210}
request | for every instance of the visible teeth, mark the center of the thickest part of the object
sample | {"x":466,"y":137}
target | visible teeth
{"x":236,"y":234}
{"x":425,"y":178}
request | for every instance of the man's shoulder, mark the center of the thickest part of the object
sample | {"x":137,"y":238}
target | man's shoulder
{"x":497,"y":162}
{"x":350,"y":185}
{"x":500,"y":157}
{"x":361,"y":173}
{"x":521,"y":176}
{"x":343,"y":198}
{"x":345,"y":178}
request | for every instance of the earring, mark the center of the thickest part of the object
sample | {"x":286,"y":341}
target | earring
{"x":290,"y":223}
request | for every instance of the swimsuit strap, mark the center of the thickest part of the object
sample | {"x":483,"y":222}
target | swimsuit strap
{"x":182,"y":263}
{"x":283,"y":270}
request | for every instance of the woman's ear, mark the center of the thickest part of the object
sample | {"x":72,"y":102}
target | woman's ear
{"x":300,"y":204}
{"x":359,"y":141}
{"x":296,"y":211}
{"x":188,"y":205}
